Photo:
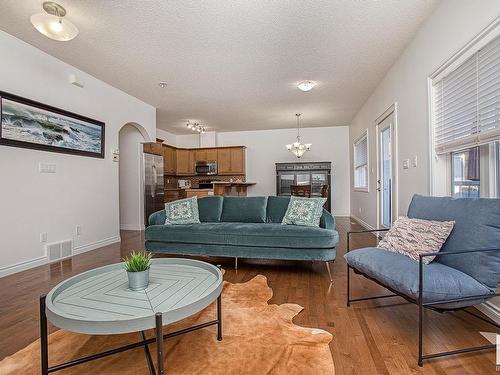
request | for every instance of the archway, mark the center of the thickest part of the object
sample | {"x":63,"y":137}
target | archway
{"x":131,"y":136}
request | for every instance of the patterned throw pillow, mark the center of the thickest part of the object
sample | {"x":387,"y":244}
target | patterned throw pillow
{"x":182,"y":211}
{"x":304,"y":211}
{"x":412,"y":237}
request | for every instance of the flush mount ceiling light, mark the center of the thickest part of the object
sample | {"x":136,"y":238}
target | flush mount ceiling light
{"x":196,"y":127}
{"x":298,"y":148}
{"x":306,"y":85}
{"x":51,"y":23}
{"x":162,"y":84}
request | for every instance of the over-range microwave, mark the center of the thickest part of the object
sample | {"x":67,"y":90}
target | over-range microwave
{"x":205,"y":167}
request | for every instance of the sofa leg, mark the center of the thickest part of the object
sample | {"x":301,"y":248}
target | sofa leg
{"x":236,"y":263}
{"x":329,"y":271}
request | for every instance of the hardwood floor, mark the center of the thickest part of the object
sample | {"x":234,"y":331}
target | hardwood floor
{"x":373,"y":337}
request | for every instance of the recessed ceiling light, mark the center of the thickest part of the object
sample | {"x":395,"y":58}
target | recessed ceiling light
{"x":306,"y":85}
{"x":162,"y":84}
{"x":51,"y":23}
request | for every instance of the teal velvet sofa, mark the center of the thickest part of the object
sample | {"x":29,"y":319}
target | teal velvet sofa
{"x":247,"y":227}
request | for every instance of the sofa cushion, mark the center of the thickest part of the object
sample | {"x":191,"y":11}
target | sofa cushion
{"x":182,"y":211}
{"x":245,"y":234}
{"x":400,"y":273}
{"x":210,"y":209}
{"x":304,"y":211}
{"x":477,"y":226}
{"x":276,"y":208}
{"x":244,"y":209}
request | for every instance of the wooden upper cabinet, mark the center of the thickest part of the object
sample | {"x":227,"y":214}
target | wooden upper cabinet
{"x":211,"y":154}
{"x":185,"y":162}
{"x":169,"y":160}
{"x":200,"y":155}
{"x":153,"y":148}
{"x":238,"y":160}
{"x":231,"y":160}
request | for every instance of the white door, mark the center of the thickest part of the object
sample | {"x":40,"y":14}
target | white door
{"x":386,"y":176}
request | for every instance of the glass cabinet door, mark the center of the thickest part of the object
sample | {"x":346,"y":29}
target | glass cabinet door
{"x":285,"y":180}
{"x":303,"y":179}
{"x":317,"y":182}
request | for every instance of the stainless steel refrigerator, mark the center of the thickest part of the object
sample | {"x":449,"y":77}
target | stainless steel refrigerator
{"x":154,"y":190}
{"x":315,"y":174}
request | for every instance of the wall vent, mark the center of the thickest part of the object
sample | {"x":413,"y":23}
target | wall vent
{"x":59,"y":250}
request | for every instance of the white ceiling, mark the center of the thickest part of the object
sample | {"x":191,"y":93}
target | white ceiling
{"x":234,"y":64}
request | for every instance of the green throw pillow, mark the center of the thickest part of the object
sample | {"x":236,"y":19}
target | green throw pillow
{"x":182,"y":211}
{"x":304,"y":211}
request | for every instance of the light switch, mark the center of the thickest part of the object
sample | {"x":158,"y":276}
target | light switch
{"x":414,"y":162}
{"x":47,"y":168}
{"x":406,"y":164}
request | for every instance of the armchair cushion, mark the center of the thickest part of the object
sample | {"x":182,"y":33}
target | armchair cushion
{"x":400,"y":273}
{"x":477,"y":226}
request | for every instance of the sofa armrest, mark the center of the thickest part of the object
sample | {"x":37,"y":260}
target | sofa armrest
{"x":157,"y":218}
{"x":327,"y":220}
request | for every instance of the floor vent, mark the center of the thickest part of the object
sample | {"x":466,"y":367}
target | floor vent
{"x":59,"y":250}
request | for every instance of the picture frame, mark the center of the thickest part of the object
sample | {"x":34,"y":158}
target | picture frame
{"x":33,"y":125}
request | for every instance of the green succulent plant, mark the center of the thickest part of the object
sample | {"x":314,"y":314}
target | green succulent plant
{"x":137,"y":261}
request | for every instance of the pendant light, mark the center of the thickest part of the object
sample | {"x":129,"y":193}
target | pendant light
{"x":52,"y":23}
{"x":297,"y":148}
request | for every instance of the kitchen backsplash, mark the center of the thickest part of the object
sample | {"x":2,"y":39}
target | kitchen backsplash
{"x":171,"y":181}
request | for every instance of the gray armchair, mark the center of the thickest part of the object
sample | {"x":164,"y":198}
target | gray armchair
{"x":465,"y":272}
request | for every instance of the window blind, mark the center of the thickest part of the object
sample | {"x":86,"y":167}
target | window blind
{"x":466,"y":102}
{"x":361,"y":163}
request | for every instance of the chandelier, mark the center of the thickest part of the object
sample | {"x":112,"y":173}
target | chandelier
{"x":297,"y":148}
{"x":196,"y":127}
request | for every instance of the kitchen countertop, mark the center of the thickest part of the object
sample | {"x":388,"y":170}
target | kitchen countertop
{"x":233,"y":183}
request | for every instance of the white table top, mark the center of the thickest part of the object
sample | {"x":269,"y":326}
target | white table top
{"x":99,"y":301}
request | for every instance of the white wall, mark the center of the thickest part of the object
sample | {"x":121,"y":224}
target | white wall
{"x":448,"y":29}
{"x":84,"y":191}
{"x":168,"y":138}
{"x":131,"y":189}
{"x":267,"y":147}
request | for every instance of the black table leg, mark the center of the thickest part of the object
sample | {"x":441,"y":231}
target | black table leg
{"x":219,"y":317}
{"x":147,"y":353}
{"x":44,"y":339}
{"x":159,"y":343}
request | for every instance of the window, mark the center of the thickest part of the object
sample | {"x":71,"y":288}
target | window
{"x":466,"y":102}
{"x":361,"y":163}
{"x":465,"y":120}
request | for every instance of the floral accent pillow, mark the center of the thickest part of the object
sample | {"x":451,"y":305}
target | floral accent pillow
{"x":304,"y":211}
{"x":182,"y":211}
{"x":412,"y":237}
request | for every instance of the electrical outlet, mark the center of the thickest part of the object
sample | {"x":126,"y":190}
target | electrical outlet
{"x":415,"y":162}
{"x":359,"y":209}
{"x":43,"y":237}
{"x":78,"y":230}
{"x":46,"y":168}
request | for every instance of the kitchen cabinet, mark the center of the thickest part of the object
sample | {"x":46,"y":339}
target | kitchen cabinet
{"x":200,"y":155}
{"x":184,"y":157}
{"x":231,"y":160}
{"x":153,"y":148}
{"x":169,"y":160}
{"x":211,"y":154}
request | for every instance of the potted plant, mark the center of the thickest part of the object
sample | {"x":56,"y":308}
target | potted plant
{"x":137,"y":265}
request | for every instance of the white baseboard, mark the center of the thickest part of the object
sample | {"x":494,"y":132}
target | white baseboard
{"x":22,"y":266}
{"x":363,"y":223}
{"x":490,"y":310}
{"x":341,"y":214}
{"x":132,"y":227}
{"x":95,"y":245}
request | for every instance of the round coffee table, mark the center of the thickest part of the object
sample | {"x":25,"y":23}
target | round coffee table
{"x":98,"y":302}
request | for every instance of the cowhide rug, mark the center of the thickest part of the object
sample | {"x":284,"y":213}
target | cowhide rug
{"x":259,"y":338}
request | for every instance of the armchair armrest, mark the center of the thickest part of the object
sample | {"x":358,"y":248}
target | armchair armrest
{"x":157,"y":218}
{"x":361,"y":231}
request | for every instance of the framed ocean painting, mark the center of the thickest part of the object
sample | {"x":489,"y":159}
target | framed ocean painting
{"x":29,"y":124}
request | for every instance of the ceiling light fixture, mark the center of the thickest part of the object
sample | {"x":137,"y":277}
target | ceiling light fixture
{"x":196,"y":127}
{"x":162,"y":84}
{"x":306,"y":85}
{"x":51,"y":23}
{"x":297,"y":148}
